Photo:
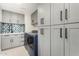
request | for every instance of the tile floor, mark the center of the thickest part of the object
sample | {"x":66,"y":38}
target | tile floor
{"x":19,"y":51}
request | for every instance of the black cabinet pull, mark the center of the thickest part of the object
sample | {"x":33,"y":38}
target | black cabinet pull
{"x":10,"y":40}
{"x":60,"y":15}
{"x":42,"y":21}
{"x":66,"y":14}
{"x":60,"y":32}
{"x":66,"y":33}
{"x":42,"y":31}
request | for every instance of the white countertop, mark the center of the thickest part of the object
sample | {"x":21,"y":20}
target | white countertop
{"x":11,"y":33}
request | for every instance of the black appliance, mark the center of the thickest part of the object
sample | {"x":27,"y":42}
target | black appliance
{"x":31,"y":43}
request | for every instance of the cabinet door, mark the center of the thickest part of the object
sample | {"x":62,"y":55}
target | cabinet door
{"x":66,"y":13}
{"x":57,"y":41}
{"x":57,"y":11}
{"x":20,"y":19}
{"x":73,"y":40}
{"x":15,"y":40}
{"x":67,"y":40}
{"x":0,"y":42}
{"x":6,"y":43}
{"x":13,"y":18}
{"x":44,"y":14}
{"x":44,"y":41}
{"x":21,"y":41}
{"x":74,"y":12}
{"x":0,"y":15}
{"x":6,"y":16}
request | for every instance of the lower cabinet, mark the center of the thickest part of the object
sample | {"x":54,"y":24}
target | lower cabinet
{"x":44,"y":41}
{"x":21,"y":41}
{"x":13,"y":40}
{"x":5,"y":42}
{"x":65,"y":40}
{"x":57,"y":40}
{"x":72,"y":40}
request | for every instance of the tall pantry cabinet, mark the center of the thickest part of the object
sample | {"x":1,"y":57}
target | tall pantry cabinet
{"x":58,"y":29}
{"x":44,"y":29}
{"x":56,"y":13}
{"x":68,"y":33}
{"x":57,"y":41}
{"x":0,"y":25}
{"x":72,"y":40}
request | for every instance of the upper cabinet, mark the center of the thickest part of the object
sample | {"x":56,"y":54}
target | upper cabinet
{"x":44,"y":14}
{"x":11,"y":17}
{"x":73,"y":12}
{"x":20,"y":18}
{"x":64,"y":13}
{"x":14,"y":18}
{"x":34,"y":16}
{"x":57,"y":13}
{"x":0,"y":15}
{"x":6,"y":16}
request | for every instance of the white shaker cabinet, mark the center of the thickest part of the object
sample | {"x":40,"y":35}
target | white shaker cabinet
{"x":44,"y":14}
{"x":72,"y":40}
{"x":72,"y":11}
{"x":20,"y":18}
{"x":65,"y":41}
{"x":6,"y":16}
{"x":44,"y":41}
{"x":15,"y":40}
{"x":63,"y":37}
{"x":21,"y":41}
{"x":14,"y":18}
{"x":64,"y":13}
{"x":0,"y":43}
{"x":5,"y":42}
{"x":11,"y":41}
{"x":57,"y":40}
{"x":0,"y":15}
{"x":57,"y":11}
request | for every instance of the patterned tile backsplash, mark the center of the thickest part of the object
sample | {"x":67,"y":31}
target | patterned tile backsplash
{"x":11,"y":28}
{"x":18,"y":28}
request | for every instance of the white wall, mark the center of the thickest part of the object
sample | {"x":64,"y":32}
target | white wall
{"x":31,"y":9}
{"x":29,"y":27}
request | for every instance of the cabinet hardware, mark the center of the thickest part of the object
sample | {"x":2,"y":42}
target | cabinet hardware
{"x":42,"y":31}
{"x":60,"y":32}
{"x":66,"y":33}
{"x":42,"y":21}
{"x":66,"y":14}
{"x":10,"y":40}
{"x":60,"y":15}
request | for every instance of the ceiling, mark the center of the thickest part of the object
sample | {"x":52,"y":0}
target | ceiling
{"x":19,"y":7}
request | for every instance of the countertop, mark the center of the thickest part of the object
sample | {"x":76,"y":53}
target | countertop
{"x":11,"y":33}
